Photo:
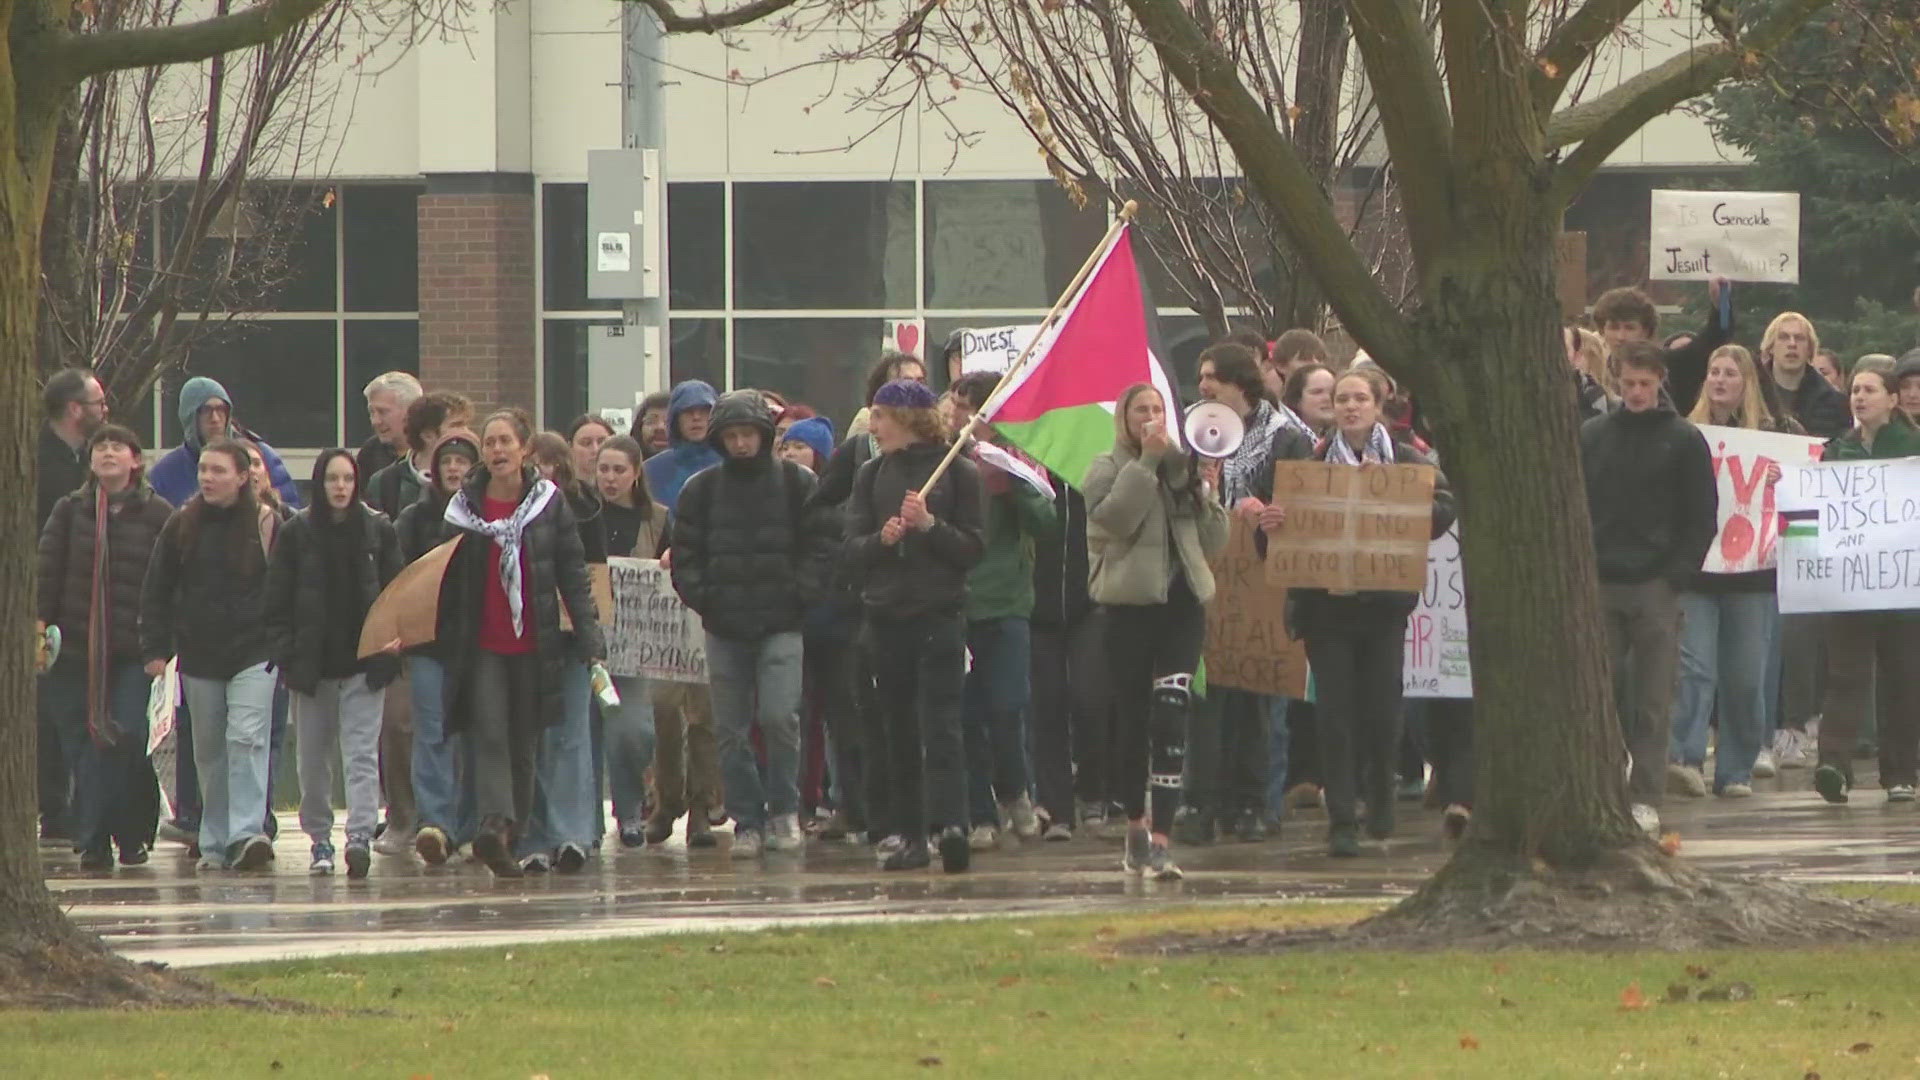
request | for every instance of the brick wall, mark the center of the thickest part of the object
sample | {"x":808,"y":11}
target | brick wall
{"x":476,"y":289}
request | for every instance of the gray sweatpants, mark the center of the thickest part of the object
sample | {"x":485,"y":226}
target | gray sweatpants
{"x":340,"y":721}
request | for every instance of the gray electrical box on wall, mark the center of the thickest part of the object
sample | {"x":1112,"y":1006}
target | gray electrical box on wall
{"x":623,"y":219}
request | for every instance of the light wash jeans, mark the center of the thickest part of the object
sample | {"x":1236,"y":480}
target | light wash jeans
{"x":442,"y":762}
{"x":757,"y":681}
{"x":339,"y":721}
{"x":232,"y":728}
{"x":563,"y":792}
{"x":629,"y":747}
{"x":1724,"y":643}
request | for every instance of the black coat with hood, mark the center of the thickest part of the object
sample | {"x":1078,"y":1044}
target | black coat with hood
{"x":1651,"y":494}
{"x":553,"y":570}
{"x":925,"y":573}
{"x":751,"y":546}
{"x":323,"y":577}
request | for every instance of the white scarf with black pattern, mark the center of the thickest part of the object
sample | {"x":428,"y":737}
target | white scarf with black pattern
{"x":1379,"y":448}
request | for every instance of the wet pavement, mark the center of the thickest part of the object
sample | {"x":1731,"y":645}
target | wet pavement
{"x":165,"y":911}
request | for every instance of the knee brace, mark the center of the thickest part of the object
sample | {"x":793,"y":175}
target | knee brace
{"x":1167,"y":730}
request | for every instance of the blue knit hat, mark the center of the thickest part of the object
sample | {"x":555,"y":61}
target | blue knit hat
{"x":905,"y":394}
{"x":816,"y":432}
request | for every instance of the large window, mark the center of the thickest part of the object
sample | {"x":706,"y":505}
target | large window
{"x":792,"y":285}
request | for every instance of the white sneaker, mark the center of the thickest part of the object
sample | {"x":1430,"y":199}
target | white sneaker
{"x":1790,"y":749}
{"x":1685,"y":780}
{"x":984,"y":838}
{"x":1020,"y":818}
{"x":783,"y":833}
{"x":889,"y":844}
{"x":1647,"y":818}
{"x":746,"y":844}
{"x":1763,"y":767}
{"x":1738,"y":791}
{"x":1900,"y":793}
{"x":394,"y":842}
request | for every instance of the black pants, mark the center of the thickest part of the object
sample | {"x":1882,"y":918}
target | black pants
{"x":1070,"y":706}
{"x":919,"y":667}
{"x":1356,"y":674}
{"x":1096,"y":758}
{"x":505,"y":735}
{"x":1303,"y":744}
{"x":1145,"y":643}
{"x":1449,"y":748}
{"x":832,"y":671}
{"x":1227,"y":752}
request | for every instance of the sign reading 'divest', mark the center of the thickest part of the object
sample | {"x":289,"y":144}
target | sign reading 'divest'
{"x":653,"y":633}
{"x":1351,"y":528}
{"x":1740,"y":235}
{"x":1852,"y":536}
{"x":1749,"y":536}
{"x":995,"y":348}
{"x":1248,"y":646}
{"x":1436,"y":663}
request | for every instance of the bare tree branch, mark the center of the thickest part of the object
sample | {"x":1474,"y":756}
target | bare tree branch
{"x":673,"y":22}
{"x":1573,"y":44}
{"x":77,"y":56}
{"x":1600,"y":126}
{"x":1398,"y":53}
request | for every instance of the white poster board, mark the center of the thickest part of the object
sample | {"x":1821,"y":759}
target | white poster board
{"x":1749,"y":533}
{"x":1852,"y":536}
{"x":653,"y":634}
{"x":994,"y":348}
{"x":1739,"y":235}
{"x":1436,"y":664}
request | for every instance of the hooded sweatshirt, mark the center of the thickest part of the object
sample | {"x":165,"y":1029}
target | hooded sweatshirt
{"x":176,"y":477}
{"x":422,"y":524}
{"x":1651,"y":494}
{"x":669,"y":470}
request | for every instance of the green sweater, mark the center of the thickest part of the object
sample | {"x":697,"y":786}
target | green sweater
{"x":1001,"y":584}
{"x":1896,"y":440}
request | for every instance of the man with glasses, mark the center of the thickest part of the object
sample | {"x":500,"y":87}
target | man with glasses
{"x":76,"y":406}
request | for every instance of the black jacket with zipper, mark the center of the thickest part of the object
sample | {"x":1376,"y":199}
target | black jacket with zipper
{"x":306,"y":602}
{"x":1651,"y":494}
{"x":135,"y":518}
{"x":205,"y":601}
{"x":925,"y":573}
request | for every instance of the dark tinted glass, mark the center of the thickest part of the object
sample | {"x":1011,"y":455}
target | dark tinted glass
{"x":822,"y":362}
{"x":823,"y":244}
{"x":697,"y":245}
{"x":382,"y":240}
{"x":374,"y":347}
{"x":283,"y":376}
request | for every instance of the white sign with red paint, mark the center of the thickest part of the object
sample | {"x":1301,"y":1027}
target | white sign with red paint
{"x":1743,"y":461}
{"x":1436,"y":663}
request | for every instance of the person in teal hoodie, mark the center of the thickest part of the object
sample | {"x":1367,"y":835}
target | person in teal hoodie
{"x":999,"y":688}
{"x":689,"y":410}
{"x":205,"y":406}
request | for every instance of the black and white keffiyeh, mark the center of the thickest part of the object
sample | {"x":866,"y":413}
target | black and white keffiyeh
{"x":1236,"y":477}
{"x":506,"y":534}
{"x":1378,"y":450}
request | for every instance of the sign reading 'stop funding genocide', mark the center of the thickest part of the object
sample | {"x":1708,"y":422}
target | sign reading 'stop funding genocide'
{"x":1351,"y":528}
{"x":653,"y":633}
{"x":1740,"y":235}
{"x":1852,"y":536}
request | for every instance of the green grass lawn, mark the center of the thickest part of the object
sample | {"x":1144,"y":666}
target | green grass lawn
{"x":1014,"y":997}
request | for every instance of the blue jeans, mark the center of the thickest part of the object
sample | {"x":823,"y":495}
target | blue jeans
{"x":114,"y":793}
{"x":998,"y":693}
{"x":231,"y":737}
{"x":563,"y":793}
{"x":442,"y":763}
{"x":1724,"y":642}
{"x":757,"y":681}
{"x":629,"y":743}
{"x":1278,"y":740}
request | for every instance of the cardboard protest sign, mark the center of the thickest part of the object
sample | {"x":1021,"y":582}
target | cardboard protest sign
{"x":1749,"y":534}
{"x":653,"y":633}
{"x":1248,"y":646}
{"x":1741,"y":235}
{"x":1852,"y":536}
{"x":1436,"y":663}
{"x":409,"y":607}
{"x":1351,"y":528}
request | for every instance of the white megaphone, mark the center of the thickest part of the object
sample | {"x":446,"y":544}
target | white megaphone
{"x":1214,"y":430}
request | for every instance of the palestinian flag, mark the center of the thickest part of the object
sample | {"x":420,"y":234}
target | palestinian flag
{"x":1058,"y":406}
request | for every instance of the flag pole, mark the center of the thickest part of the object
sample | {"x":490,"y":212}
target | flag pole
{"x":1127,"y":211}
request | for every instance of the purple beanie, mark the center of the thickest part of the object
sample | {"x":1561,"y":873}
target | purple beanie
{"x":905,"y":394}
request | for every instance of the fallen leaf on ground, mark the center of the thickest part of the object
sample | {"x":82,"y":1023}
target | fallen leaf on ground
{"x":825,"y":983}
{"x":1699,"y":972}
{"x":1009,"y":980}
{"x":929,"y":1061}
{"x":1632,"y":998}
{"x":1679,"y":992}
{"x":1670,"y":843}
{"x":1859,"y":1048}
{"x":1468,"y":1042}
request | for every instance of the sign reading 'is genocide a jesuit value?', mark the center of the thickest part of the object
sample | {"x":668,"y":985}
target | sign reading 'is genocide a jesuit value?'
{"x":1739,"y":235}
{"x":1852,"y":536}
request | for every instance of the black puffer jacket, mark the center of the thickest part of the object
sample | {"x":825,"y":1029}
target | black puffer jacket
{"x":553,"y":568}
{"x":304,"y":601}
{"x":926,"y":572}
{"x":134,"y":520}
{"x":422,"y":526}
{"x":205,"y":595}
{"x":751,"y":547}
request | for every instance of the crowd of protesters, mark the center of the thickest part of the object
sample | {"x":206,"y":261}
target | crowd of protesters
{"x":1005,"y":656}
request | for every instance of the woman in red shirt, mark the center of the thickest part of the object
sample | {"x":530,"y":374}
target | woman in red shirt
{"x":499,"y":624}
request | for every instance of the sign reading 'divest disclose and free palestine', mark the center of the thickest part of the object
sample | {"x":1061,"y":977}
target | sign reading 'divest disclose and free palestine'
{"x":1852,"y":536}
{"x":1738,"y":235}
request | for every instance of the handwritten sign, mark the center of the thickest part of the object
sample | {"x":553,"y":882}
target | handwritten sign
{"x":653,"y":633}
{"x":1749,"y":517}
{"x":1742,"y":235}
{"x":1248,"y":646}
{"x":1436,"y":663}
{"x":1351,"y":528}
{"x":994,"y":349}
{"x":1851,"y":537}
